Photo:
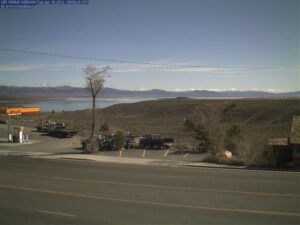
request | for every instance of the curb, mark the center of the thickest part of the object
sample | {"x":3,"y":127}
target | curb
{"x":217,"y":166}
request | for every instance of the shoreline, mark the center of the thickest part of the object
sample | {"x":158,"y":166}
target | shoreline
{"x":70,"y":104}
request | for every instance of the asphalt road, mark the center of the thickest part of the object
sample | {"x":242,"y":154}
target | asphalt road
{"x":39,"y":191}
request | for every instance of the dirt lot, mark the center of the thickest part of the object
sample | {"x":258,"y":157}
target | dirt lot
{"x":41,"y":143}
{"x":258,"y":119}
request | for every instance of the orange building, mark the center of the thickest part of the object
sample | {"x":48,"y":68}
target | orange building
{"x":18,"y":110}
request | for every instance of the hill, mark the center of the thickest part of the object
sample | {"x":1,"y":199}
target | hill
{"x":258,"y":119}
{"x":29,"y":93}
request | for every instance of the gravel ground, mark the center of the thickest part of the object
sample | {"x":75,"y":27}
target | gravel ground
{"x":39,"y":142}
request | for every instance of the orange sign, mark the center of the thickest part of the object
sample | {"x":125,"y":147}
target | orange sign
{"x":17,"y":111}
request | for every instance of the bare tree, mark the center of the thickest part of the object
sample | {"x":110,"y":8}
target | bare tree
{"x":210,"y":132}
{"x":94,"y":82}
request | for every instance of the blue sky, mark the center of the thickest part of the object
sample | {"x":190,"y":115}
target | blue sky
{"x":260,"y":37}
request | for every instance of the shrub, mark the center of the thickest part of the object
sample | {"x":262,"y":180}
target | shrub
{"x":189,"y":124}
{"x":209,"y":134}
{"x":104,"y":128}
{"x":201,"y":138}
{"x":232,"y":138}
{"x":119,"y":142}
{"x":234,"y":161}
{"x":266,"y":158}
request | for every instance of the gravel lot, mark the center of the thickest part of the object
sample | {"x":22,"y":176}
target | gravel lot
{"x":40,"y":142}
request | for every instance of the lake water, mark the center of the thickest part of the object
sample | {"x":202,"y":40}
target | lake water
{"x":71,"y":104}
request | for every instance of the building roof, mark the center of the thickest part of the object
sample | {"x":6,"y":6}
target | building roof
{"x":18,"y":110}
{"x":295,"y":132}
{"x":278,"y":141}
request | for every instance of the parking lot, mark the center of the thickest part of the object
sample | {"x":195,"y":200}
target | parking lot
{"x":40,"y":142}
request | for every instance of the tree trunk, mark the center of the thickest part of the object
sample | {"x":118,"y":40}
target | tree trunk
{"x":93,"y":123}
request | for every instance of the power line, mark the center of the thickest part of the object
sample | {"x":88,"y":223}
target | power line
{"x":130,"y":62}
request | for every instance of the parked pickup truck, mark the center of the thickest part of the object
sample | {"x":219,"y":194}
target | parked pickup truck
{"x":155,"y":141}
{"x":44,"y":126}
{"x":61,"y":132}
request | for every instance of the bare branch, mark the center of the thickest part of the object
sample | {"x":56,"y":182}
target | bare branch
{"x":95,"y":78}
{"x":94,"y":82}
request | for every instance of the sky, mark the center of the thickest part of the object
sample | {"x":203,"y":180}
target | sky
{"x":227,"y":44}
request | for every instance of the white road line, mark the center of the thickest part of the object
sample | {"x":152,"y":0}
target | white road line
{"x":55,"y":213}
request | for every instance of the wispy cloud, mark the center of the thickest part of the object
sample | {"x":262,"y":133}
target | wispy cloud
{"x":32,"y":67}
{"x":271,"y":90}
{"x":204,"y":89}
{"x":15,"y":68}
{"x":173,"y":66}
{"x":231,"y":89}
{"x":162,"y":65}
{"x":194,"y":70}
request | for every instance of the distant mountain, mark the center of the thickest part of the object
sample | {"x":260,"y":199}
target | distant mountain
{"x":23,"y":93}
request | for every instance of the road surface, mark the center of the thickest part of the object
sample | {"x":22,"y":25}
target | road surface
{"x":39,"y":191}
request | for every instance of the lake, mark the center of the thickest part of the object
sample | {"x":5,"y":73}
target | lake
{"x":71,"y":104}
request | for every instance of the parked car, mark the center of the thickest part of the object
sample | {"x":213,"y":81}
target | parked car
{"x":2,"y":121}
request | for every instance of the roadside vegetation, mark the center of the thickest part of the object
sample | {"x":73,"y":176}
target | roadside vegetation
{"x":226,"y":143}
{"x":240,"y":126}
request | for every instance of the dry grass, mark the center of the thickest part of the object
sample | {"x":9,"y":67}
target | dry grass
{"x":257,"y":118}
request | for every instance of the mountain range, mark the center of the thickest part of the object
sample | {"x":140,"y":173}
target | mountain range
{"x":17,"y":93}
